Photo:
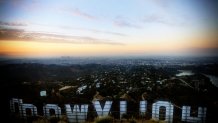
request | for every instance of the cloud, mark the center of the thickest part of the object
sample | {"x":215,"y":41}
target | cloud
{"x":162,"y":3}
{"x":94,"y":31}
{"x":162,"y":20}
{"x":12,"y":23}
{"x":15,"y":34}
{"x":82,"y":14}
{"x":122,"y":23}
{"x":155,"y":19}
{"x":107,"y":32}
{"x":10,"y":34}
{"x":78,"y":12}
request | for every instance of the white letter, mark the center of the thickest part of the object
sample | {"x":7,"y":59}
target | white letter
{"x":77,"y":115}
{"x":123,"y":108}
{"x":56,"y":108}
{"x":187,"y":118}
{"x":169,"y":110}
{"x":105,"y":110}
{"x":23,"y":108}
{"x":14,"y":101}
{"x":143,"y":107}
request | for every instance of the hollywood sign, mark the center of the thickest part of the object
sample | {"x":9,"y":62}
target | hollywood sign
{"x":78,"y":113}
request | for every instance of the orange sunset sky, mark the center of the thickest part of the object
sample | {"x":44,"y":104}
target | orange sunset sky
{"x":53,"y":28}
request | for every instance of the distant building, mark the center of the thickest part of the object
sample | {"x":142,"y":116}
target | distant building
{"x":43,"y":93}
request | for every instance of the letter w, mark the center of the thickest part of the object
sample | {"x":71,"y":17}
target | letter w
{"x":78,"y":115}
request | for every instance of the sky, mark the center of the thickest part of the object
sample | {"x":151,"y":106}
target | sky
{"x":53,"y":28}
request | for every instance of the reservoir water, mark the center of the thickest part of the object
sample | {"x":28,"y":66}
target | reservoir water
{"x":185,"y":73}
{"x":213,"y":79}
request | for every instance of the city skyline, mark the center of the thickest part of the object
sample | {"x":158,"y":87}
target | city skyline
{"x":108,"y":28}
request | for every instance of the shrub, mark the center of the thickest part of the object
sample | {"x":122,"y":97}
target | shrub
{"x":156,"y":121}
{"x":132,"y":121}
{"x":105,"y":119}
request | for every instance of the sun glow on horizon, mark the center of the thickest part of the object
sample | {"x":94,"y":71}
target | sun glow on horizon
{"x":42,"y":49}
